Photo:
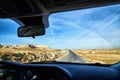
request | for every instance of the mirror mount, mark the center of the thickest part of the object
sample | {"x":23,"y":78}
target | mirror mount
{"x":33,"y":36}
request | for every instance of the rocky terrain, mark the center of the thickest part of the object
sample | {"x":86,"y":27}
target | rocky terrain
{"x":35,"y":53}
{"x":29,"y":53}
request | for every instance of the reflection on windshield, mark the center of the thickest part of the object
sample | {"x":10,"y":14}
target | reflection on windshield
{"x":82,"y":36}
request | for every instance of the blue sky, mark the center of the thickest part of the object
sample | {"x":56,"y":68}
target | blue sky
{"x":93,"y":28}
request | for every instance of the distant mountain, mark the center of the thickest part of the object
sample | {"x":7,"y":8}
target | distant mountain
{"x":25,"y":46}
{"x":8,"y":46}
{"x":42,"y":46}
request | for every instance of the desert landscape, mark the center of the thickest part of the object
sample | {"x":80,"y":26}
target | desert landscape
{"x":35,"y":53}
{"x":103,"y":56}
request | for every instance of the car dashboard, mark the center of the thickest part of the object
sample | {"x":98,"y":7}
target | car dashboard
{"x":32,"y":72}
{"x":56,"y":71}
{"x":36,"y":74}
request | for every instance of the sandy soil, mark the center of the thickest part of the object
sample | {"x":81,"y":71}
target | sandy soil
{"x":25,"y":55}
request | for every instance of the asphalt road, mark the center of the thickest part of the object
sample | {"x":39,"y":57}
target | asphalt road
{"x":71,"y":57}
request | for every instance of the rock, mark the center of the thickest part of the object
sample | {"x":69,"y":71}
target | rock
{"x":1,"y":46}
{"x":27,"y":46}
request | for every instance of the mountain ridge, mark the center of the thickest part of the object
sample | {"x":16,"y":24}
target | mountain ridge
{"x":24,"y":46}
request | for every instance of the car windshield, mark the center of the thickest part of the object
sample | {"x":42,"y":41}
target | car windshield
{"x":80,"y":36}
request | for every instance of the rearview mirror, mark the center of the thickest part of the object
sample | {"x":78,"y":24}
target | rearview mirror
{"x":27,"y":31}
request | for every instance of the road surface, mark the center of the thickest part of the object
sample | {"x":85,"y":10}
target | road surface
{"x":71,"y":57}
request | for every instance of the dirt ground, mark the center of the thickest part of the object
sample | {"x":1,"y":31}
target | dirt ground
{"x":105,"y":56}
{"x":25,"y":55}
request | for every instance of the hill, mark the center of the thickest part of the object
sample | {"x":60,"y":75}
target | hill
{"x":29,"y":53}
{"x":35,"y":53}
